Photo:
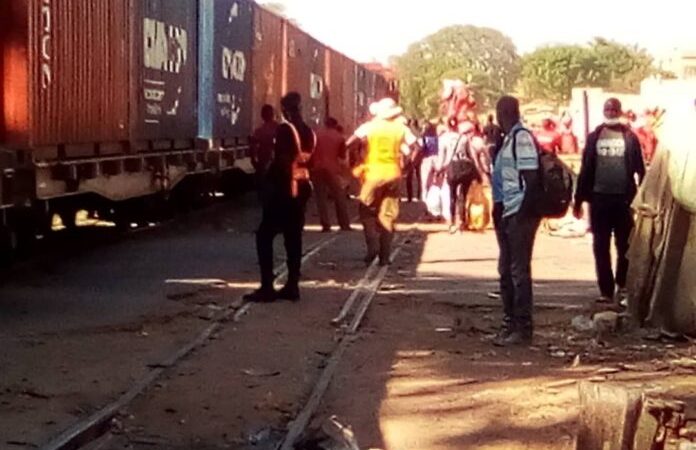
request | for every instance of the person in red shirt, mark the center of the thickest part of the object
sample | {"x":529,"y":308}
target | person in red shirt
{"x":326,"y":169}
{"x":548,"y":136}
{"x":569,"y":142}
{"x":263,"y":141}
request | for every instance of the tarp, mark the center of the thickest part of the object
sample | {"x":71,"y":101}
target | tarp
{"x":662,"y":288}
{"x":678,"y":97}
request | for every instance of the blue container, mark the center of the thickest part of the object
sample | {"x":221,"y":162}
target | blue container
{"x":224,"y":67}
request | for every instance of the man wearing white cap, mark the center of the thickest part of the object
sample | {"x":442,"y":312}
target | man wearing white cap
{"x":380,"y":174}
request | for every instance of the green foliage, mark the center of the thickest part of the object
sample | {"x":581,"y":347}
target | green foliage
{"x":625,"y":66}
{"x":481,"y":56}
{"x":550,"y":73}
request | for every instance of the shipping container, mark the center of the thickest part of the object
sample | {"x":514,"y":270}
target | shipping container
{"x":90,"y":72}
{"x":371,"y":87}
{"x":315,"y":101}
{"x":224,"y":68}
{"x":335,"y":75}
{"x":349,"y":94}
{"x":65,"y":77}
{"x":267,"y":61}
{"x":164,"y":88}
{"x":361,"y":94}
{"x":298,"y":60}
{"x":381,"y":87}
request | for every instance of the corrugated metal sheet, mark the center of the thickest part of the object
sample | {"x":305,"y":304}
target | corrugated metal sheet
{"x":348,"y":96}
{"x":361,"y":94}
{"x":65,"y":71}
{"x":316,"y":99}
{"x":267,"y":61}
{"x":299,"y":61}
{"x":224,"y":68}
{"x":334,"y":85}
{"x":164,"y":69}
{"x":371,"y":87}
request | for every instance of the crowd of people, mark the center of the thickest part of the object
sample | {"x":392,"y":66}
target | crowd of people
{"x":445,"y":159}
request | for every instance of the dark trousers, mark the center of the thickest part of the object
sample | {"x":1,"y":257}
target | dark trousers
{"x":327,"y":185}
{"x":463,"y":182}
{"x":516,"y":235}
{"x":611,"y":215}
{"x":378,"y":216}
{"x":412,"y":170}
{"x":284,"y":216}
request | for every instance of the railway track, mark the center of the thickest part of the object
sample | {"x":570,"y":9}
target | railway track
{"x":97,"y":424}
{"x":94,"y":432}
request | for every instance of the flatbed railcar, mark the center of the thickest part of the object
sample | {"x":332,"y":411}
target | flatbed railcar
{"x":118,"y":107}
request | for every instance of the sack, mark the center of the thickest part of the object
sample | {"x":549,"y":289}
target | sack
{"x":553,"y":195}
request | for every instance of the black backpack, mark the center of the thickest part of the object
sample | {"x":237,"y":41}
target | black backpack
{"x":553,"y":195}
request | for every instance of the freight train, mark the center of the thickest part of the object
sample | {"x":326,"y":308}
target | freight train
{"x":120,"y":106}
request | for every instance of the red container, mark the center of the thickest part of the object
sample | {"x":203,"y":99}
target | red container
{"x":349,"y":95}
{"x":317,"y":98}
{"x":334,"y":85}
{"x":98,"y":71}
{"x":65,"y":77}
{"x":362,"y":102}
{"x":267,"y":61}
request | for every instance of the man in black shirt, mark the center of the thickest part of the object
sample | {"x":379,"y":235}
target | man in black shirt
{"x":612,"y":168}
{"x":286,"y":190}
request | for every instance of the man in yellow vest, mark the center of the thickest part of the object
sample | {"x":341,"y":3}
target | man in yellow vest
{"x":387,"y":137}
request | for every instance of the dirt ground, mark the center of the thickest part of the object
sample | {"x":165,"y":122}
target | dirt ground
{"x":421,"y":374}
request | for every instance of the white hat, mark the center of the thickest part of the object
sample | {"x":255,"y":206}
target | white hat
{"x":387,"y":109}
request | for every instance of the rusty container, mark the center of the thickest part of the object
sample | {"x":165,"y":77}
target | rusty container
{"x":361,"y":94}
{"x":298,"y":58}
{"x":381,"y":87}
{"x":65,"y":77}
{"x":371,"y":86}
{"x":98,"y":71}
{"x":315,"y":102}
{"x":164,"y":88}
{"x":334,"y":80}
{"x":267,"y":61}
{"x":348,"y":95}
{"x":224,"y":68}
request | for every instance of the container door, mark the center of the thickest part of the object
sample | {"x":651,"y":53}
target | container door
{"x":267,"y":61}
{"x":164,"y":64}
{"x":225,"y":41}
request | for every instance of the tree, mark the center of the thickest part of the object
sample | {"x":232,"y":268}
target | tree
{"x":626,"y":66}
{"x":483,"y":57}
{"x":550,"y":73}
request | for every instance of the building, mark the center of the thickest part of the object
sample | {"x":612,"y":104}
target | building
{"x":681,"y":62}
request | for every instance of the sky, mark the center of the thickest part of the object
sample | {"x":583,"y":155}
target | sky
{"x":368,"y":30}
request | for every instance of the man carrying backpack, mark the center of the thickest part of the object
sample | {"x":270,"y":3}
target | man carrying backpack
{"x":612,"y":168}
{"x":515,"y":176}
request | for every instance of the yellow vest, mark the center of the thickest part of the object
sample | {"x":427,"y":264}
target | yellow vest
{"x":384,"y":150}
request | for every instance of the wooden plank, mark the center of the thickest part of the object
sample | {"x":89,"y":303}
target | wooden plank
{"x":609,"y":416}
